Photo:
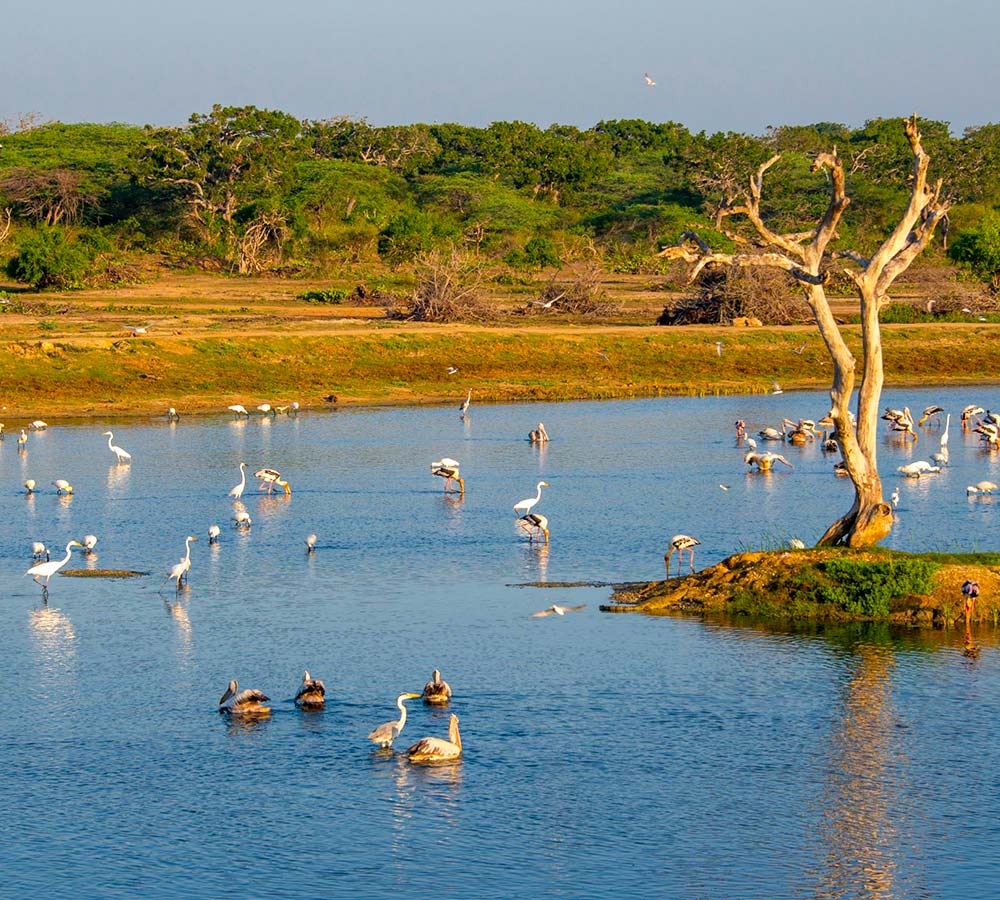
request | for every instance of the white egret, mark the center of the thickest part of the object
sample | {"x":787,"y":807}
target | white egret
{"x":180,"y":570}
{"x":556,"y":610}
{"x":89,"y":542}
{"x":796,"y":544}
{"x":242,"y":519}
{"x":436,"y":691}
{"x":387,"y":732}
{"x":310,"y":543}
{"x":135,"y":329}
{"x":38,"y":550}
{"x":237,"y":491}
{"x":213,"y":533}
{"x":432,"y":749}
{"x":47,"y":569}
{"x":62,"y":486}
{"x":535,"y":524}
{"x":941,"y":457}
{"x":29,"y":486}
{"x":123,"y":455}
{"x":523,"y":507}
{"x":271,"y":477}
{"x":448,"y":469}
{"x":22,"y":441}
{"x":239,"y":409}
{"x":312,"y":692}
{"x":452,"y":370}
{"x":464,"y":408}
{"x":680,"y":543}
{"x":247,"y":702}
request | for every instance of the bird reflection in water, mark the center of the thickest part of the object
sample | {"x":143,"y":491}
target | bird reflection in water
{"x":54,"y":639}
{"x":118,"y":476}
{"x":432,"y":786}
{"x":177,"y":610}
{"x":245,"y":725}
{"x":536,"y":558}
{"x":860,"y":806}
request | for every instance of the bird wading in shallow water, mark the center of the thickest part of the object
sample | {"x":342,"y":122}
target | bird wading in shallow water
{"x":180,"y":570}
{"x":270,"y":478}
{"x":387,"y":732}
{"x":680,"y":543}
{"x":448,"y":469}
{"x":47,"y":569}
{"x":123,"y":456}
{"x":535,"y":524}
{"x":523,"y":507}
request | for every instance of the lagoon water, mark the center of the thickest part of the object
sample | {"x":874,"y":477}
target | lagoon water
{"x":605,"y":754}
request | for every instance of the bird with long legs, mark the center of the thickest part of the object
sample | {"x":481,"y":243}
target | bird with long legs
{"x":432,"y":749}
{"x":248,"y":702}
{"x":536,"y":525}
{"x":463,"y":410}
{"x":437,"y":692}
{"x":47,"y":569}
{"x":448,"y":469}
{"x":180,"y":570}
{"x":904,"y":424}
{"x":239,"y":410}
{"x":941,"y":457}
{"x":969,"y":414}
{"x":523,"y":507}
{"x":311,"y":694}
{"x":269,"y":478}
{"x":123,"y":456}
{"x":237,"y":491}
{"x":38,"y":550}
{"x":931,"y":412}
{"x":680,"y":543}
{"x":387,"y":732}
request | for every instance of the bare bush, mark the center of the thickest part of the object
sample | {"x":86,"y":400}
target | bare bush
{"x":730,"y":292}
{"x":449,"y":289}
{"x":581,"y":294}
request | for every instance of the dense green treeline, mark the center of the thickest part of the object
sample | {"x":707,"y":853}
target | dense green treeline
{"x":247,"y":189}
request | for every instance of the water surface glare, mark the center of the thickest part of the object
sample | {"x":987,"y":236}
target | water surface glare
{"x":667,"y":757}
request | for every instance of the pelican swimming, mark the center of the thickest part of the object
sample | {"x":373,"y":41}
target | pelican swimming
{"x":310,"y":543}
{"x":312,"y":692}
{"x":248,"y":702}
{"x":918,"y":468}
{"x":62,"y":486}
{"x":523,"y":507}
{"x":239,"y":409}
{"x":432,"y":749}
{"x":387,"y":732}
{"x":123,"y":455}
{"x":38,"y":550}
{"x":271,"y":477}
{"x":764,"y":461}
{"x":535,"y":524}
{"x":447,"y":469}
{"x":213,"y":533}
{"x":29,"y":486}
{"x":539,"y":435}
{"x":771,"y":434}
{"x":981,"y":487}
{"x":180,"y":570}
{"x":436,"y":691}
{"x":556,"y":610}
{"x":47,"y":569}
{"x":237,"y":491}
{"x":930,"y":412}
{"x":680,"y":543}
{"x":89,"y":542}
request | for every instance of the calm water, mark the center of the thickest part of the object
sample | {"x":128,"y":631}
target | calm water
{"x":605,"y":754}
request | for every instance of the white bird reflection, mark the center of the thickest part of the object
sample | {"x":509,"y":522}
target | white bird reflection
{"x":118,"y":476}
{"x":54,"y":640}
{"x":177,"y":610}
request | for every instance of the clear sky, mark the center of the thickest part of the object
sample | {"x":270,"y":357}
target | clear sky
{"x":720,"y":65}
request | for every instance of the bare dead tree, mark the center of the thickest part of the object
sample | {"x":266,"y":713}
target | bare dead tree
{"x":449,"y":289}
{"x":803,"y":256}
{"x":268,"y":232}
{"x":5,"y":226}
{"x":53,"y":197}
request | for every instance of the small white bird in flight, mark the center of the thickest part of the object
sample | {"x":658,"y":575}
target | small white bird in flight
{"x":452,"y":370}
{"x":557,"y":610}
{"x":776,"y":388}
{"x":649,"y":81}
{"x":801,"y":349}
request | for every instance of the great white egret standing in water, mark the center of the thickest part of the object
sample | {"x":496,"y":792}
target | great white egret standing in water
{"x":237,"y":491}
{"x":463,"y":410}
{"x":432,"y":749}
{"x":387,"y":732}
{"x":523,"y":507}
{"x":47,"y":569}
{"x":249,"y":702}
{"x":123,"y":455}
{"x":180,"y":570}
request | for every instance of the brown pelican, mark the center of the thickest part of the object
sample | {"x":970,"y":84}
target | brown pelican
{"x":447,"y":469}
{"x":930,"y":412}
{"x":312,"y":692}
{"x":981,"y":487}
{"x":680,"y":543}
{"x":271,"y":477}
{"x":556,"y":610}
{"x":47,"y":569}
{"x":523,"y":507}
{"x":123,"y":455}
{"x":247,"y":702}
{"x":764,"y":461}
{"x":539,"y":435}
{"x":62,"y":486}
{"x":436,"y":691}
{"x":918,"y":468}
{"x":387,"y":732}
{"x":535,"y":524}
{"x":432,"y":749}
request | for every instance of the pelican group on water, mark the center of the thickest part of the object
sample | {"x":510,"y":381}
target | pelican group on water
{"x":248,"y":702}
{"x":387,"y":732}
{"x":437,"y":692}
{"x":432,"y":749}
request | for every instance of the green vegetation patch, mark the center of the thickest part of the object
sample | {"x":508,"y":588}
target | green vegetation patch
{"x":866,"y":588}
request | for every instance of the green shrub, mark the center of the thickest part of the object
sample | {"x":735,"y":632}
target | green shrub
{"x":49,"y":259}
{"x":868,"y":588}
{"x":333,"y":295}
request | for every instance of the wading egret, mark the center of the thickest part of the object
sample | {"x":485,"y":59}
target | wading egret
{"x":271,"y":477}
{"x":447,"y":469}
{"x":432,"y":749}
{"x":237,"y":491}
{"x":436,"y":691}
{"x":248,"y":702}
{"x":22,"y":440}
{"x":312,"y":692}
{"x":680,"y":543}
{"x":464,"y":408}
{"x":180,"y":570}
{"x":556,"y":610}
{"x":123,"y":455}
{"x":386,"y":733}
{"x":523,"y":507}
{"x":47,"y":569}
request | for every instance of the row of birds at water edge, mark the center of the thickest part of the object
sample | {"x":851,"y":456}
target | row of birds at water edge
{"x":311,"y":696}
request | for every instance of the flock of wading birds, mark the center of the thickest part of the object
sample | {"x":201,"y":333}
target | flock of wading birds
{"x":311,"y":694}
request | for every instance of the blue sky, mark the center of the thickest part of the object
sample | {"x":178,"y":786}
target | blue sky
{"x":724,"y":65}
